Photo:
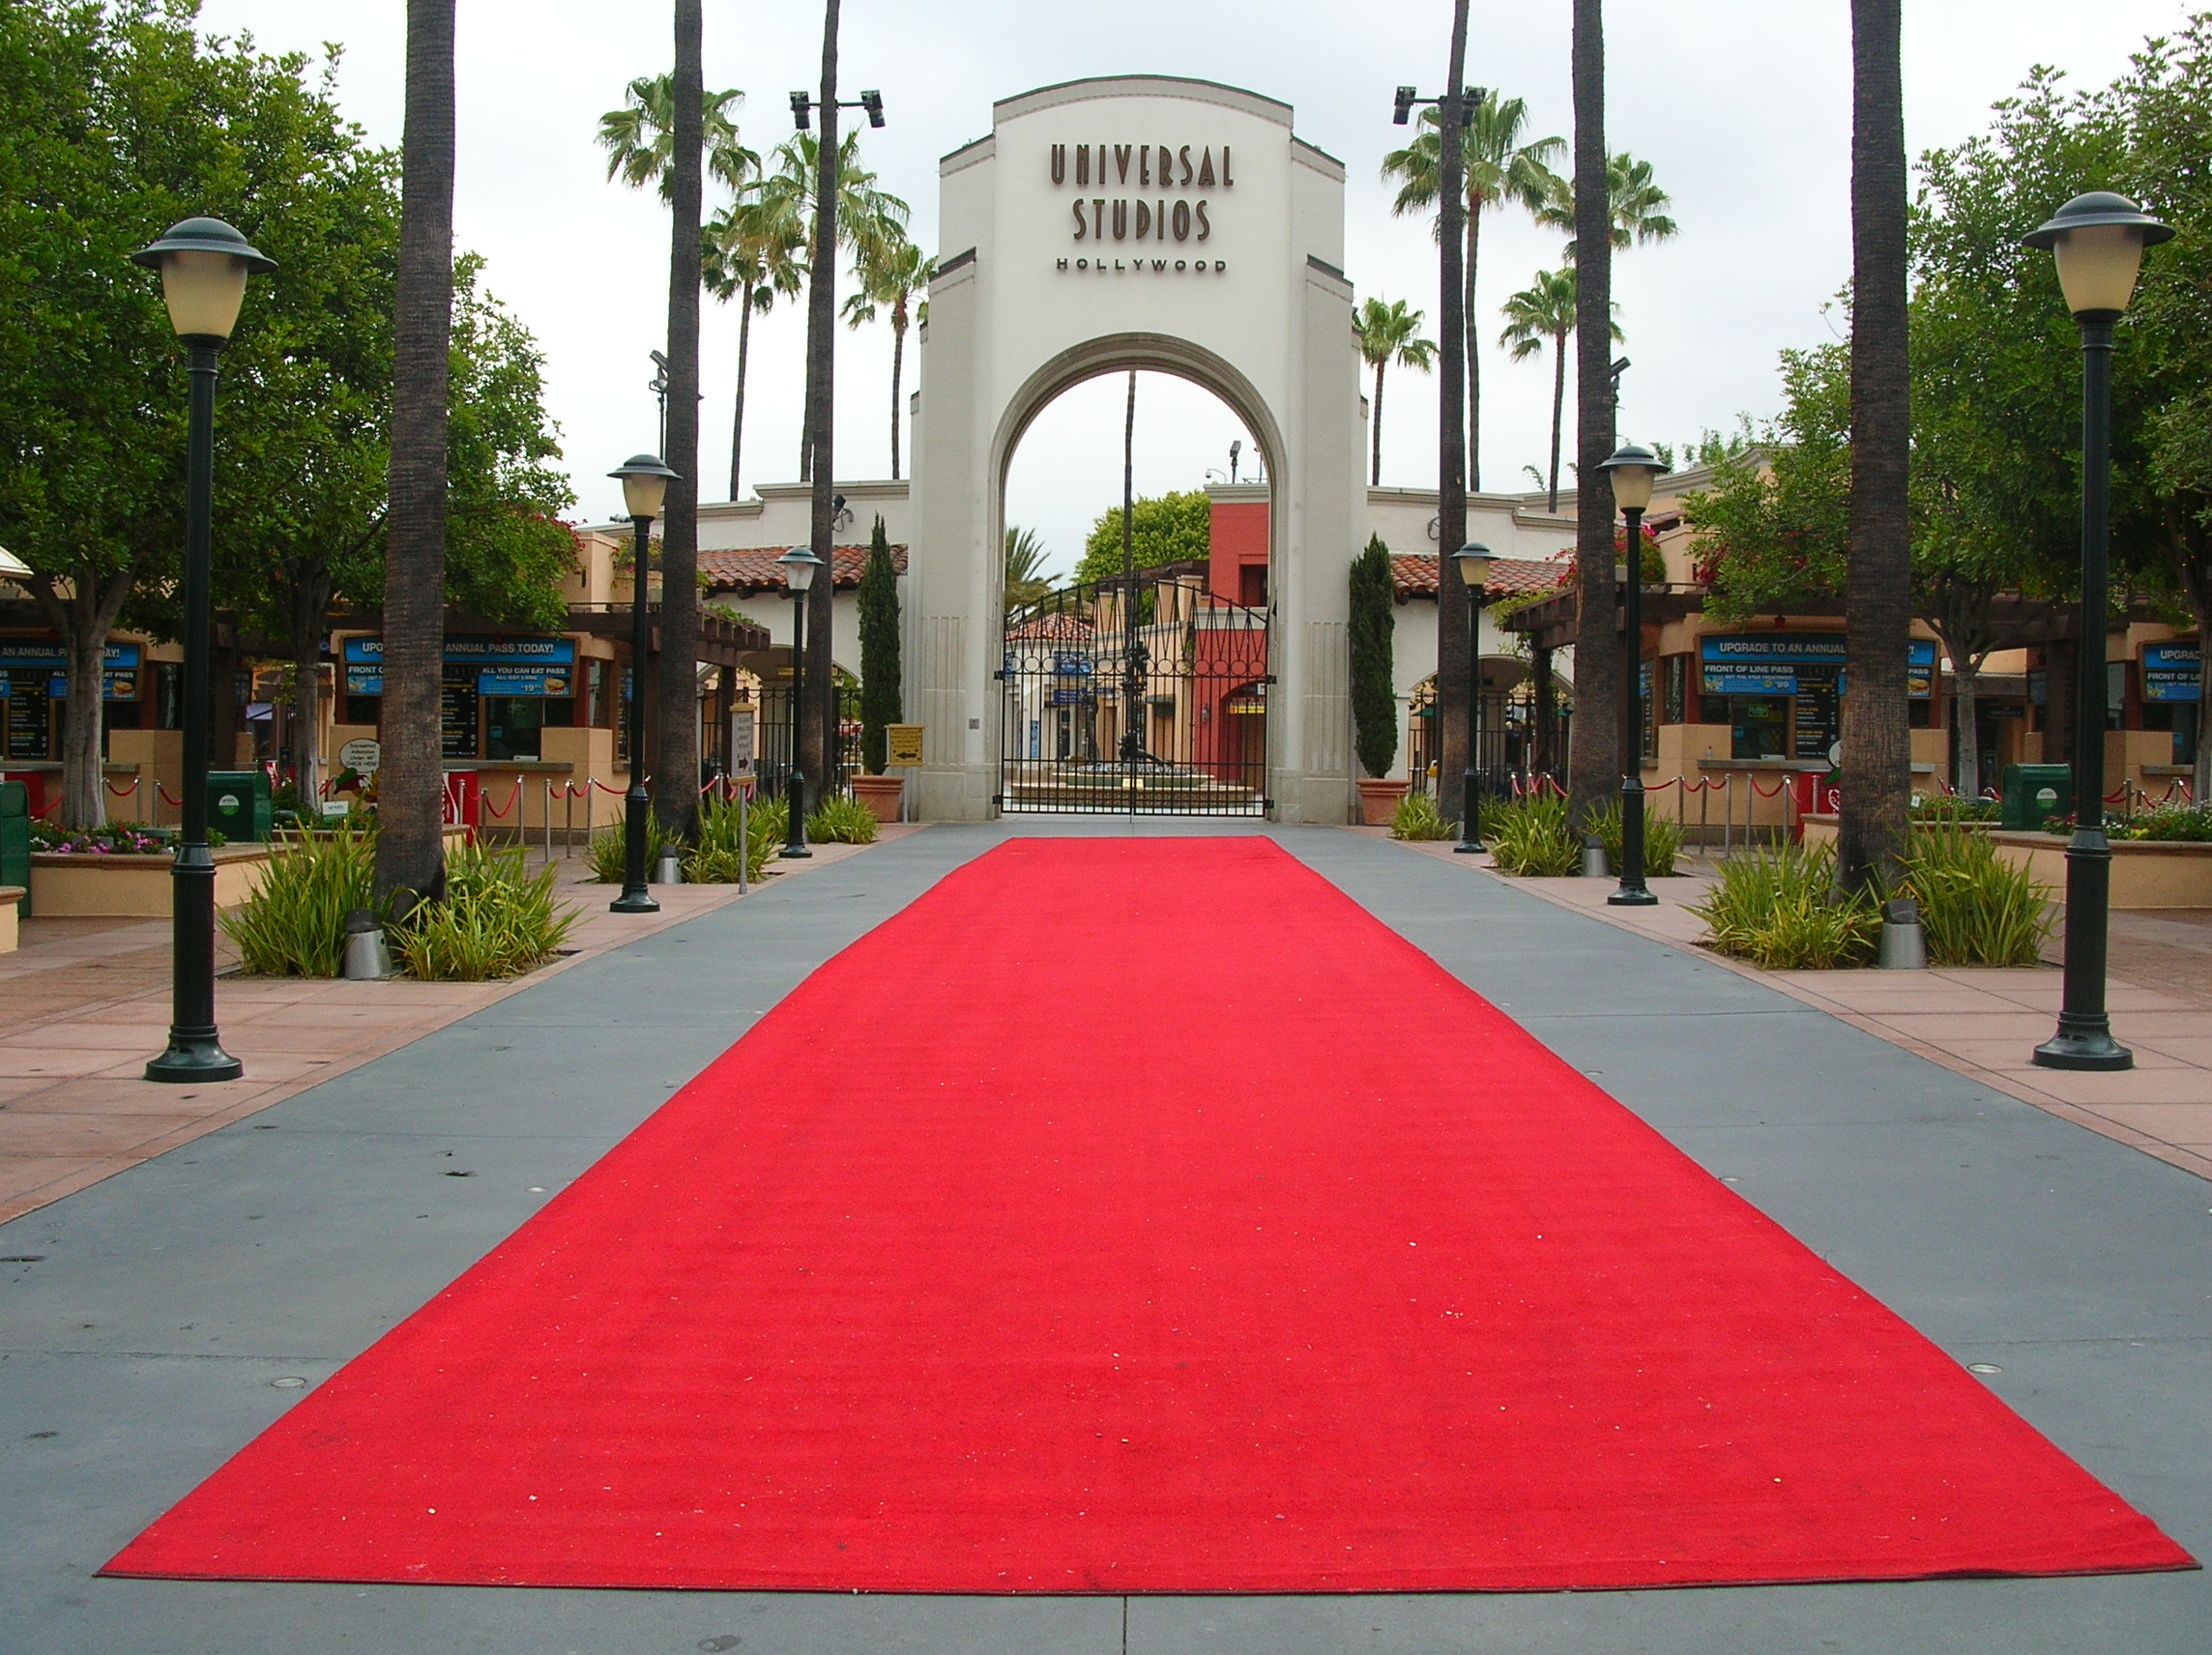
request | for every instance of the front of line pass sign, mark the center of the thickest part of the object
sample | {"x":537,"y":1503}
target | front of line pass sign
{"x":363,"y":755}
{"x":902,"y":743}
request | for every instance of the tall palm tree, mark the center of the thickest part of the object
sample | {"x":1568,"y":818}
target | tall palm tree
{"x":1594,"y":763}
{"x":1543,"y":311}
{"x":756,"y":253}
{"x":640,"y":136}
{"x":1390,"y":334}
{"x":1500,"y":170}
{"x":1877,"y":757}
{"x":1634,"y":201}
{"x":895,"y":275}
{"x":410,"y":849}
{"x":676,"y":745}
{"x":1025,"y":578}
{"x":864,"y":217}
{"x":812,"y":179}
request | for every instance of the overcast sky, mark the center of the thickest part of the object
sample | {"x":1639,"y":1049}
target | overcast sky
{"x":1741,"y":105}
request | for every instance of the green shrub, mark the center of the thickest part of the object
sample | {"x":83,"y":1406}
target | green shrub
{"x":841,"y":818}
{"x":2170,"y":823}
{"x":1530,"y":838}
{"x":714,"y":859}
{"x":295,"y":924}
{"x":1662,"y":840}
{"x":609,"y":846}
{"x":495,"y":920}
{"x":1950,"y":807}
{"x":1418,"y":818}
{"x":1780,"y":909}
{"x":1976,"y":908}
{"x":1374,"y":702}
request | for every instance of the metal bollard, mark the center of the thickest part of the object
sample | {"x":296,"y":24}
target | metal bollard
{"x":669,"y":871}
{"x":366,"y":957}
{"x":1593,"y":857}
{"x":1904,"y":945}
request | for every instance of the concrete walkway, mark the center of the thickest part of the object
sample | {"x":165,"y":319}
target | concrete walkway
{"x":168,"y":1313}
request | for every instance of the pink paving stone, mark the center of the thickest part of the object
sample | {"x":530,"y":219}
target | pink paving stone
{"x":2191,"y":1085}
{"x":2186,"y":1124}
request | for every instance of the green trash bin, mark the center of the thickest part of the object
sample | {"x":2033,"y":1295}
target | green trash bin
{"x":15,"y":840}
{"x":2035,"y":792}
{"x":238,"y":805}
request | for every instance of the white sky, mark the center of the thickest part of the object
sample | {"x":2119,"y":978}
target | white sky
{"x":1742,"y":105}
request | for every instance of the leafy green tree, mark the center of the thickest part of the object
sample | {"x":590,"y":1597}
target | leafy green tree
{"x":881,"y":701}
{"x":1545,"y":311}
{"x":1171,"y":528}
{"x":1390,"y":333}
{"x":1502,"y":168}
{"x":895,"y":275}
{"x":1374,"y":695}
{"x":1025,"y":579}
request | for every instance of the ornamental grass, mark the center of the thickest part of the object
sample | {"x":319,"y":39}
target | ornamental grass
{"x":842,"y":819}
{"x":1418,"y":818}
{"x":495,"y":920}
{"x":1662,"y":840}
{"x":1531,"y":837}
{"x":1779,"y":907}
{"x":294,"y":925}
{"x":713,"y":861}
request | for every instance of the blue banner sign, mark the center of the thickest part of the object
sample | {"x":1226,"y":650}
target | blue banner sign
{"x":363,"y":681}
{"x":1069,"y":663}
{"x":476,"y":652}
{"x":24,"y":652}
{"x":2172,"y":671}
{"x":1068,"y":695}
{"x":1767,"y":663}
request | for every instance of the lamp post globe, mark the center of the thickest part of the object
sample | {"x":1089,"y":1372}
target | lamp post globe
{"x":2097,"y":241}
{"x":1631,"y":470}
{"x":645,"y":480}
{"x":204,"y":265}
{"x":1473,"y":563}
{"x":799,"y":565}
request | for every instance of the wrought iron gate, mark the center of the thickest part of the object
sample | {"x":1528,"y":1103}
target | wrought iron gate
{"x":1164,"y":718}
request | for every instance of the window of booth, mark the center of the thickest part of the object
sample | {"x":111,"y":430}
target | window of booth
{"x":169,"y":695}
{"x":1675,"y":691}
{"x":1758,"y":726}
{"x":596,"y":713}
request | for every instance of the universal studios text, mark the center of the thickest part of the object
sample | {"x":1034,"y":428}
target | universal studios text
{"x":1161,"y":218}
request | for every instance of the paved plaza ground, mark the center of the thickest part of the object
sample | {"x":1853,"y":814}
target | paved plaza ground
{"x":153,"y":1319}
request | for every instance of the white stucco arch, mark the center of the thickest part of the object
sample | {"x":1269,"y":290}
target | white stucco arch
{"x":1027,"y":304}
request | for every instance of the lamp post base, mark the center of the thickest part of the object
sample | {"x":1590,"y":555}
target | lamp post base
{"x":633,"y":902}
{"x":195,"y":1056}
{"x":1470,"y":848}
{"x":1626,"y":897}
{"x":2089,"y":1046}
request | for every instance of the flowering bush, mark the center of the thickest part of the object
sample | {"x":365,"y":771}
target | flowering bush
{"x":117,"y":839}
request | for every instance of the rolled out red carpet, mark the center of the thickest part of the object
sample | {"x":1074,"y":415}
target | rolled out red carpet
{"x":1140,"y":1215}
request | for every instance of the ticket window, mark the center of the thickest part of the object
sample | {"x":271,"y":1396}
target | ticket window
{"x":512,"y":723}
{"x":1758,"y":726}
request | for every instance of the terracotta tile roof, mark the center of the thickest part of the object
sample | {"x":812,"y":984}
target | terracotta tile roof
{"x":1055,"y":629}
{"x":1415,"y":575}
{"x":753,"y":568}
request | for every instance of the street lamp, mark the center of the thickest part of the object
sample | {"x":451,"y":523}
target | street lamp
{"x":2099,"y":240}
{"x":1631,"y":470}
{"x":799,"y":565}
{"x":645,"y":482}
{"x":204,"y":264}
{"x":1474,"y":575}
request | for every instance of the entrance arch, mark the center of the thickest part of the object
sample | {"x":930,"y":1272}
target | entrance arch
{"x":1060,"y":261}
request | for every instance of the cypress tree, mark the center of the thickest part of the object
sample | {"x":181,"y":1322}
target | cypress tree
{"x":879,"y":702}
{"x":1374,"y":704}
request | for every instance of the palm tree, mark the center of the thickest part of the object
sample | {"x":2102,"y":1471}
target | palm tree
{"x":1877,"y":757}
{"x":864,"y":217}
{"x":1390,"y":334}
{"x":640,"y":136}
{"x":1025,"y":579}
{"x":1500,"y":168}
{"x":1546,"y":311}
{"x":1634,"y":200}
{"x":1594,"y":763}
{"x":894,"y":273}
{"x":410,"y":848}
{"x":756,"y":253}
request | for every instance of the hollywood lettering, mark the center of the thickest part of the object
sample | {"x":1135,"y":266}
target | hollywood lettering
{"x":1141,"y":168}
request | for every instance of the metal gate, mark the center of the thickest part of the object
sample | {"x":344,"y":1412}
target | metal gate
{"x":1167,"y":716}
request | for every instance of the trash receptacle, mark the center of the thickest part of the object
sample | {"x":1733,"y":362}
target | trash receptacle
{"x":15,"y":840}
{"x":238,"y":805}
{"x":2035,"y":792}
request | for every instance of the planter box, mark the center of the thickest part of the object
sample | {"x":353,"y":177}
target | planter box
{"x":1380,"y":799}
{"x":2146,"y":873}
{"x":78,"y":885}
{"x":880,"y":794}
{"x":9,"y":896}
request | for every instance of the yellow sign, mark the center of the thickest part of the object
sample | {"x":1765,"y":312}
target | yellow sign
{"x":902,"y":744}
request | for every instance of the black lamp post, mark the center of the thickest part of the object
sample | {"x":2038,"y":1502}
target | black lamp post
{"x":1473,"y":575}
{"x":645,"y":480}
{"x":1631,"y":470}
{"x":799,"y":565}
{"x":2099,"y":240}
{"x":204,"y":264}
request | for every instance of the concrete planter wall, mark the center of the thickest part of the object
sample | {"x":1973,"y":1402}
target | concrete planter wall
{"x":79,"y":886}
{"x":9,"y":896}
{"x":2146,"y":873}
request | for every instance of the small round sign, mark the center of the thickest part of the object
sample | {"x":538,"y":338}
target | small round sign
{"x":1834,"y":754}
{"x":228,"y":801}
{"x":2046,"y":795}
{"x":362,"y":754}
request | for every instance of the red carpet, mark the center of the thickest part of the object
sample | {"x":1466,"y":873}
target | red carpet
{"x":1142,"y":1216}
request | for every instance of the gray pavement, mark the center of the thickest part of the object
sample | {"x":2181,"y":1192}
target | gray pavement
{"x":167,"y":1307}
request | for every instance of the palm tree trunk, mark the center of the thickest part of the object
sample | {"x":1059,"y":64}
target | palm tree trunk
{"x":410,"y":850}
{"x":1455,"y":669}
{"x":898,"y":367}
{"x":1376,"y":480}
{"x":1474,"y":353}
{"x":1966,"y":779}
{"x":676,"y":747}
{"x":1594,"y":764}
{"x":1559,"y":415}
{"x":1876,"y":766}
{"x":310,"y":602}
{"x":738,"y":417}
{"x":818,"y":724}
